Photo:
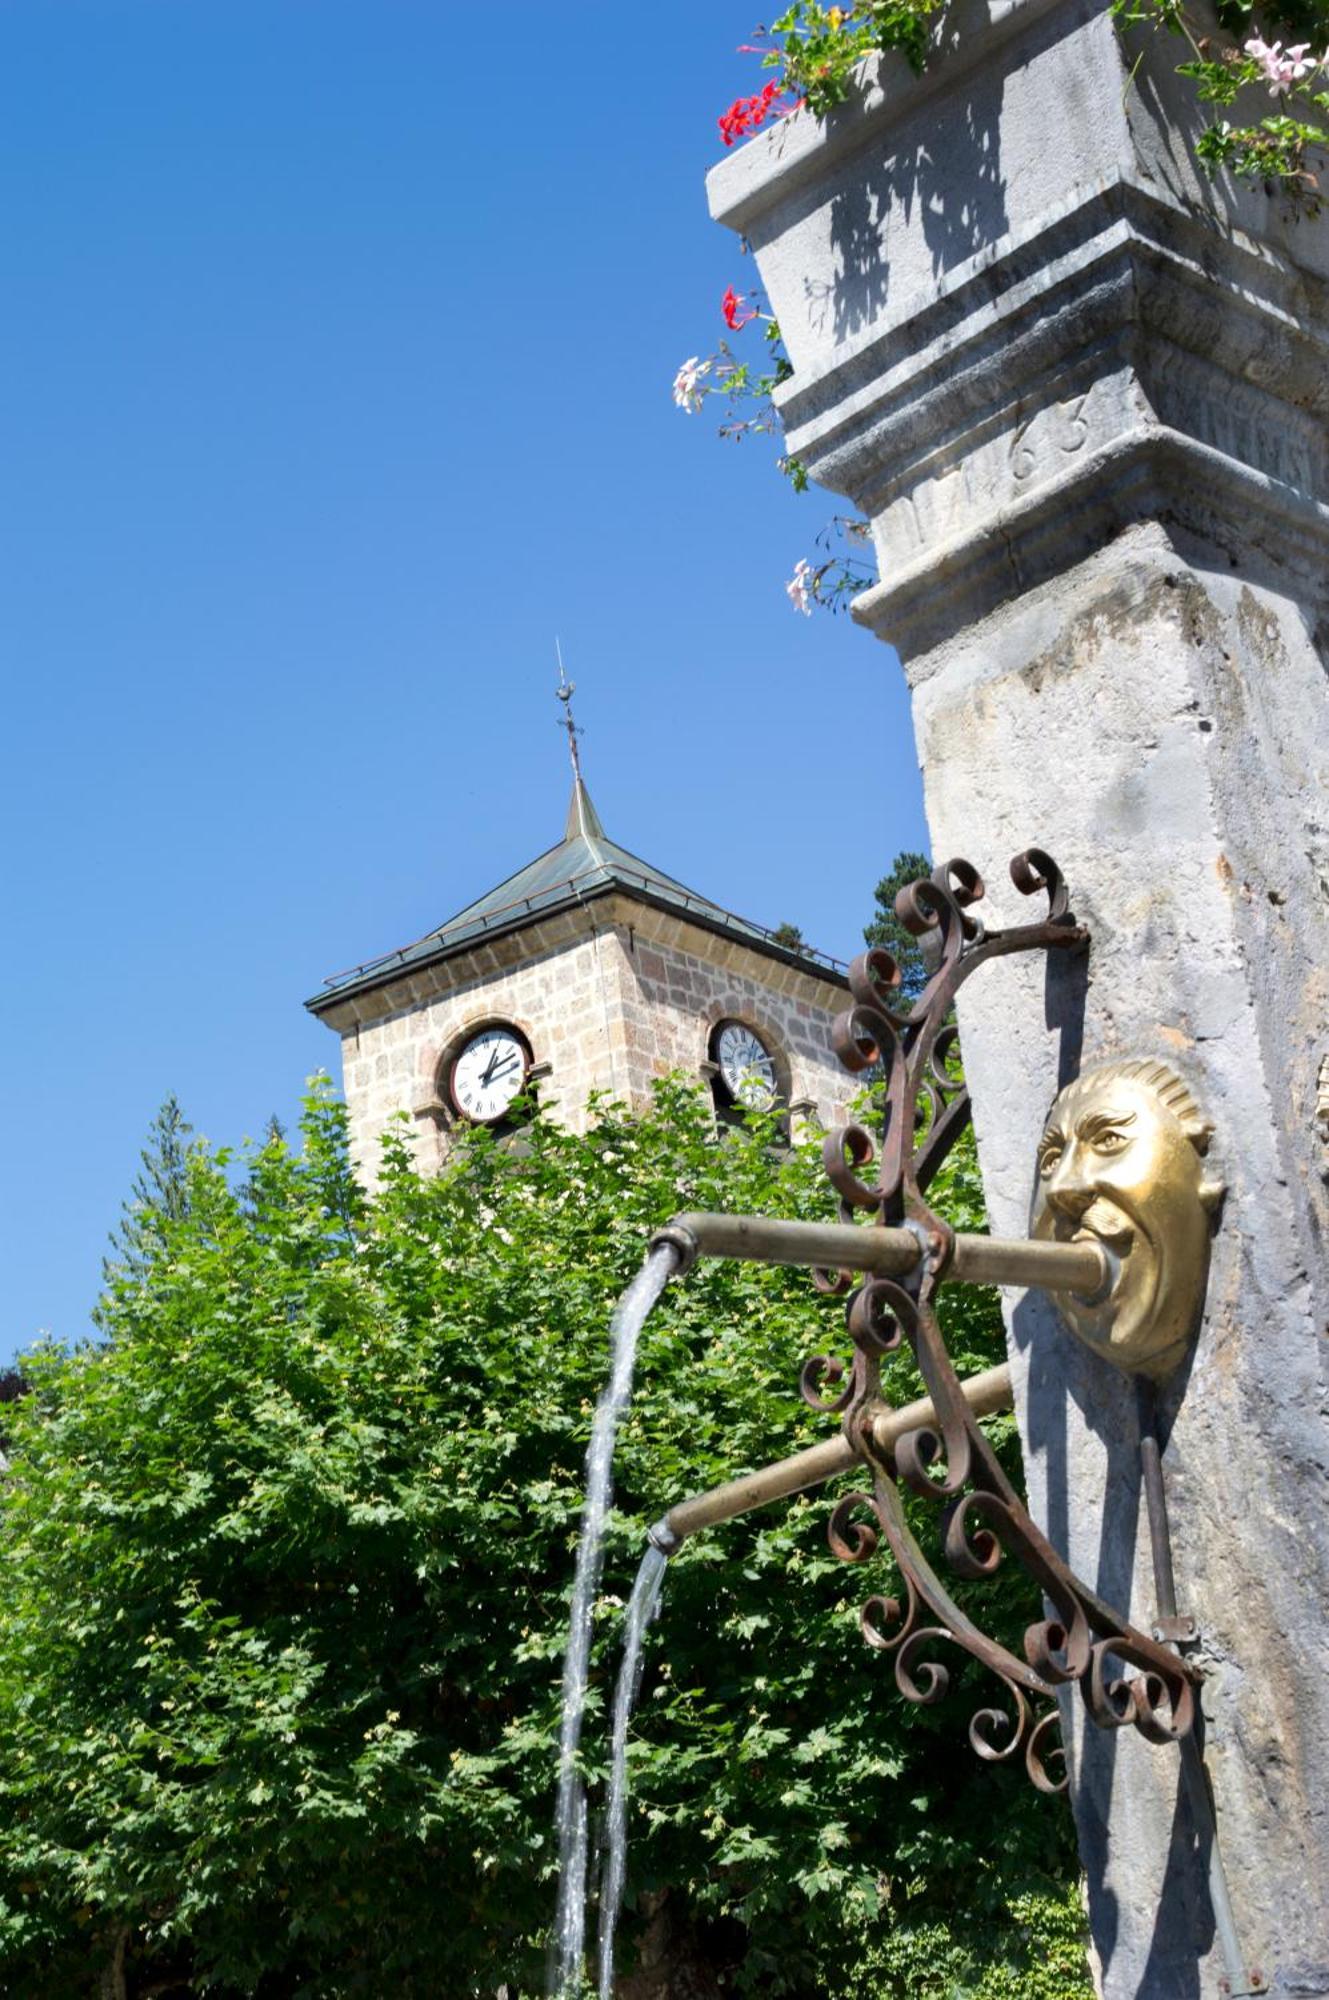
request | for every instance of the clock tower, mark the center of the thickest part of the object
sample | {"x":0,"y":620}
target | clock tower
{"x":589,"y":970}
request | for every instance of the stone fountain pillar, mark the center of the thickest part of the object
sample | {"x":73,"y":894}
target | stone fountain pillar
{"x":1081,"y":394}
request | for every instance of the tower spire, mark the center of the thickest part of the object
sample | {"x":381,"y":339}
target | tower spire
{"x":565,"y":691}
{"x":582,"y":816}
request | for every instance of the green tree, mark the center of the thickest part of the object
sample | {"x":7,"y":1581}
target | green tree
{"x":886,"y":929}
{"x":159,"y":1194}
{"x":283,"y":1596}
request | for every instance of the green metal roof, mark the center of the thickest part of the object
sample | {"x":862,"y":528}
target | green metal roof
{"x":585,"y":864}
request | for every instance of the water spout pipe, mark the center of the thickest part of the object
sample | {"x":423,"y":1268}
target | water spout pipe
{"x":984,"y":1394}
{"x":1082,"y":1268}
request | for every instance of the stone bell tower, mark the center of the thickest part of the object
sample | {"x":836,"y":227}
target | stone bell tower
{"x":589,"y":970}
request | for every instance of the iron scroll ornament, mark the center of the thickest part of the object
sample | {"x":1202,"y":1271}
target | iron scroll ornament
{"x":925,"y":1109}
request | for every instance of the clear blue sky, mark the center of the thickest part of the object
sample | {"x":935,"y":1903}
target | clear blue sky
{"x":337,"y":350}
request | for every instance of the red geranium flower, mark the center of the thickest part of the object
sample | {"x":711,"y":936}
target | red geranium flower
{"x":731,"y":305}
{"x":747,"y":113}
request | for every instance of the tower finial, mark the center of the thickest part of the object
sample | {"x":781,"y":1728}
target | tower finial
{"x":565,"y":691}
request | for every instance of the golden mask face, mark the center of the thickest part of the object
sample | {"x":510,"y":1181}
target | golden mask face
{"x":1121,"y":1163}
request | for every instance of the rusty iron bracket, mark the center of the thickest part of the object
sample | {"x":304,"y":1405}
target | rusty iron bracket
{"x":1127,"y":1677}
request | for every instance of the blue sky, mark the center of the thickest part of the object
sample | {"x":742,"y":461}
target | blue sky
{"x":337,"y":352}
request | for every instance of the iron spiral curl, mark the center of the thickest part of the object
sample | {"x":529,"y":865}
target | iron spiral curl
{"x":829,"y":1368}
{"x":853,"y":1539}
{"x":1043,"y":1747}
{"x":984,"y":1719}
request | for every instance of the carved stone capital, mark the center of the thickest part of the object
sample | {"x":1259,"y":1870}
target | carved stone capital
{"x":1020,"y":322}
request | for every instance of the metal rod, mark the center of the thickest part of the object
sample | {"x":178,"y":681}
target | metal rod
{"x":1053,"y":1267}
{"x":977,"y":1260}
{"x":1239,"y":1979}
{"x":760,"y":1239}
{"x":984,"y":1393}
{"x":1155,"y":1497}
{"x":754,"y":1489}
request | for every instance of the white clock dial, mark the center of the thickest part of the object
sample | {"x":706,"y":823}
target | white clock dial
{"x":746,"y":1066}
{"x":488,"y":1074}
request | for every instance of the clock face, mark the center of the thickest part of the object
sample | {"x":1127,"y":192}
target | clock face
{"x":746,"y":1066}
{"x":488,"y":1074}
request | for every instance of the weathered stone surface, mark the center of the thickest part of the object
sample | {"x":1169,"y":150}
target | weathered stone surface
{"x":1115,"y":706}
{"x":1020,"y":318}
{"x":1082,"y":397}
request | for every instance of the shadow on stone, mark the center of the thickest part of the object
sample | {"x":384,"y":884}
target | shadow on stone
{"x":1183,"y":1925}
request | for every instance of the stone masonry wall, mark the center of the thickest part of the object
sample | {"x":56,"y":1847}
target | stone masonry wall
{"x":673,"y":996}
{"x":608,"y":998}
{"x":556,"y":998}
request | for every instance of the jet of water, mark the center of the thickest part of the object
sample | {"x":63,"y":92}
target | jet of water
{"x":642,"y":1607}
{"x":569,"y":1941}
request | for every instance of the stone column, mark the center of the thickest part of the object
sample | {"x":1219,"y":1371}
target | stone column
{"x":1081,"y":394}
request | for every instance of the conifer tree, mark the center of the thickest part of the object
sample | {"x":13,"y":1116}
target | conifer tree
{"x":159,"y":1192}
{"x":886,"y":929}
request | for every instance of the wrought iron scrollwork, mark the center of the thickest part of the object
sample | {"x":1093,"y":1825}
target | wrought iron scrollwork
{"x":1126,"y":1678}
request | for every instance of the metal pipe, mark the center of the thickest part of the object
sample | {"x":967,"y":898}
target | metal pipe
{"x":754,"y":1489}
{"x":1082,"y":1268}
{"x":760,"y":1239}
{"x":984,"y":1393}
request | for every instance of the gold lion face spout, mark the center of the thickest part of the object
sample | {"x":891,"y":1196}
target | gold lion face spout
{"x":1121,"y":1163}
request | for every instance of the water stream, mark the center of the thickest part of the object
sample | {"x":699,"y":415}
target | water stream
{"x":569,"y":1941}
{"x":642,"y":1607}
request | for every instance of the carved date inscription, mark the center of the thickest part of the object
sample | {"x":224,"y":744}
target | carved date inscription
{"x":963,"y":485}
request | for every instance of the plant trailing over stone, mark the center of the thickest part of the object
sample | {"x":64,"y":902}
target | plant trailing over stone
{"x":1277,"y":149}
{"x":283,"y":1594}
{"x":840,"y":572}
{"x":817,"y":49}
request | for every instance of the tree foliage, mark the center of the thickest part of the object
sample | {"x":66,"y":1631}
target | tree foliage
{"x":159,"y":1193}
{"x":284,"y":1592}
{"x":886,"y":929}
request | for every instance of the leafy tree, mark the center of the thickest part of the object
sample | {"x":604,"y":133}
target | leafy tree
{"x":886,"y":928}
{"x":12,"y":1386}
{"x":283,"y":1595}
{"x":788,"y":935}
{"x":159,"y":1194}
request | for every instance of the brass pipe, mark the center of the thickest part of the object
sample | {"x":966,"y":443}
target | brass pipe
{"x":760,"y":1239}
{"x":739,"y":1496}
{"x":984,"y":1393}
{"x":1082,"y":1268}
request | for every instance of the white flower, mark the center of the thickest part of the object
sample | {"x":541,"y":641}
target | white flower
{"x":1282,"y":67}
{"x":686,"y":393}
{"x":802,"y":587}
